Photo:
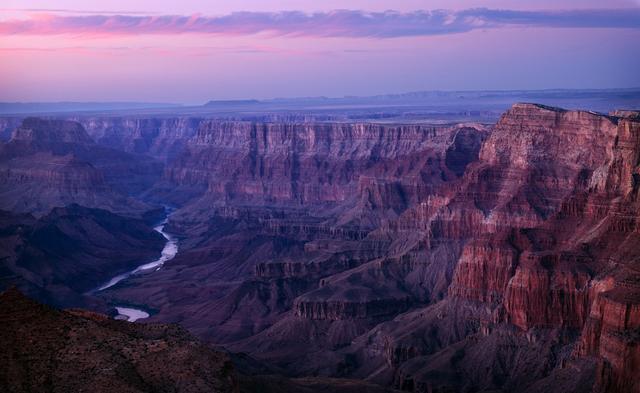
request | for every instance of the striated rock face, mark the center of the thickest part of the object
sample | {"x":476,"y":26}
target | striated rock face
{"x":293,"y":175}
{"x":42,"y":348}
{"x":483,"y":270}
{"x":66,"y":172}
{"x":549,"y":218}
{"x":53,"y":163}
{"x":612,"y":332}
{"x":554,"y":295}
{"x":305,"y":164}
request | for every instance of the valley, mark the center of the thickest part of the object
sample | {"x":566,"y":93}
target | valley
{"x":440,"y":255}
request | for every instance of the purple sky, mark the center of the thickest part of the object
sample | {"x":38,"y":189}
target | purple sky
{"x":194,"y":51}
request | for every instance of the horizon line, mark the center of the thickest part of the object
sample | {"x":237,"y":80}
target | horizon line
{"x":307,"y":97}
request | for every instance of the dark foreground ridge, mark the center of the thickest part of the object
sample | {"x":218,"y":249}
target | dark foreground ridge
{"x":44,"y":349}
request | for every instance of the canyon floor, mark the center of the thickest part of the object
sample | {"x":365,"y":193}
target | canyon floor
{"x":313,"y":249}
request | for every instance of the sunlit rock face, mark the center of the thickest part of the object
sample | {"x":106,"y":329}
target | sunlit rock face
{"x":429,"y":258}
{"x":550,"y":218}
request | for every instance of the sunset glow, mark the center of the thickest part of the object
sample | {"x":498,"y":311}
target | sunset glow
{"x":75,"y":51}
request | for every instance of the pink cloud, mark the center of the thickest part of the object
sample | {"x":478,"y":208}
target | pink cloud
{"x":339,"y":23}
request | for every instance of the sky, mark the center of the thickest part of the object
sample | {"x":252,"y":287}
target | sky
{"x":194,"y":51}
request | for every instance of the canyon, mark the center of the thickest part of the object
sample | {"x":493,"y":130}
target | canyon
{"x":325,"y":255}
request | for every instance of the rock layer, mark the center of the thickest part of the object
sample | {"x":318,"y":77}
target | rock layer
{"x":550,"y":214}
{"x":425,"y":257}
{"x":535,"y":251}
{"x":53,"y":163}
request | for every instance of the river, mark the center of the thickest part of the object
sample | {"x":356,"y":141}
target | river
{"x":168,"y":253}
{"x":131,"y":314}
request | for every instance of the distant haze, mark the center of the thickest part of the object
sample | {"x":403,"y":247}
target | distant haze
{"x":193,"y":52}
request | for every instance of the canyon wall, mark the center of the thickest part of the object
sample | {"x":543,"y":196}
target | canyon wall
{"x":53,"y":163}
{"x":281,"y":206}
{"x":549,"y":213}
{"x":161,"y":137}
{"x":374,"y":171}
{"x":518,"y":255}
{"x":430,"y":258}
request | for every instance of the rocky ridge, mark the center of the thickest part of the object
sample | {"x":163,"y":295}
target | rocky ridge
{"x":47,"y":349}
